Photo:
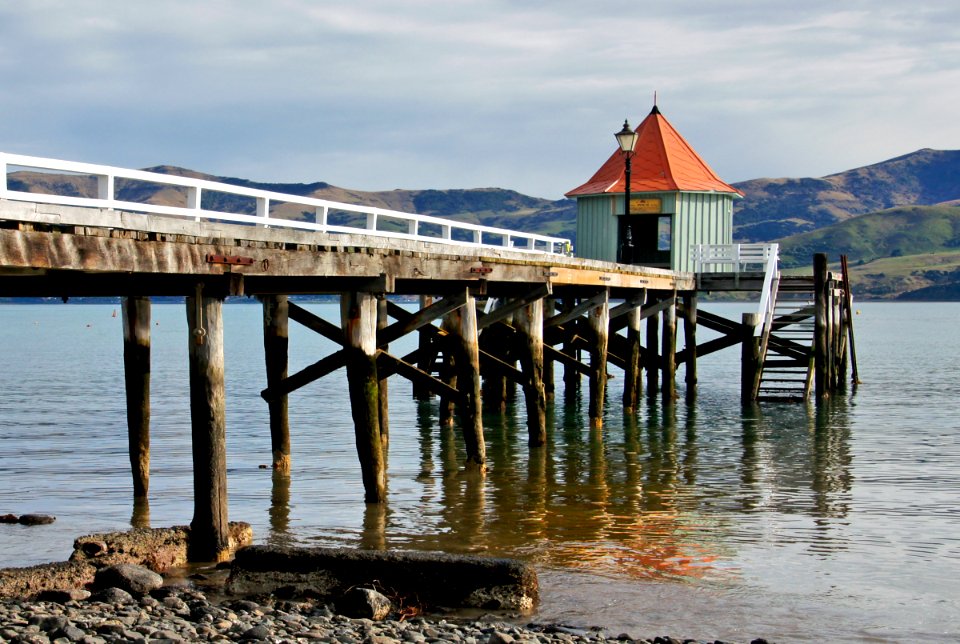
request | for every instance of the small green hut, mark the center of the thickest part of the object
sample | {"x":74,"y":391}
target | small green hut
{"x":676,"y":202}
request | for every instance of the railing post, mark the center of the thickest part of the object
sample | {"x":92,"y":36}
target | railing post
{"x":263,"y":209}
{"x":321,"y":217}
{"x":105,"y":185}
{"x":193,"y":200}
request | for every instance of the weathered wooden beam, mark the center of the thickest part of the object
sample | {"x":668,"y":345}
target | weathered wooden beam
{"x":529,"y":344}
{"x":506,"y":309}
{"x":566,"y":360}
{"x":358,"y":314}
{"x":305,"y":376}
{"x":549,"y":307}
{"x":408,"y":322}
{"x":135,"y":314}
{"x":599,"y":321}
{"x":315,"y":323}
{"x":209,"y":532}
{"x":585,"y":306}
{"x":571,"y":370}
{"x":390,"y":365}
{"x":275,"y":348}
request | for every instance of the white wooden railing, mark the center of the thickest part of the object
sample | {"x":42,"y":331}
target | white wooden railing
{"x":743,"y":258}
{"x":415,"y":227}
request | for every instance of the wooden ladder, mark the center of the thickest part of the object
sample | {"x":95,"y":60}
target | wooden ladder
{"x":786,"y":373}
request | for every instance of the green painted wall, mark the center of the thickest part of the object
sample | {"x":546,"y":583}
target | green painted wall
{"x":697,"y":218}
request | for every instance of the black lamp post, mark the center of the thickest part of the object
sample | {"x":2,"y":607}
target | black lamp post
{"x":627,"y":139}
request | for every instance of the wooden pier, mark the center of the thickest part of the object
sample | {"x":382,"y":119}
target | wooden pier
{"x":488,"y":316}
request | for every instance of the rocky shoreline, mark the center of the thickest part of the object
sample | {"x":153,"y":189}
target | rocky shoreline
{"x":181,"y":614}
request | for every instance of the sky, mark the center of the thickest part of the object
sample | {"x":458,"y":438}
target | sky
{"x":523,"y":95}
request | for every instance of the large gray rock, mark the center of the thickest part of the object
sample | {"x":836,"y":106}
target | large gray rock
{"x":364,"y":603}
{"x":134,"y":579}
{"x":410,"y":578}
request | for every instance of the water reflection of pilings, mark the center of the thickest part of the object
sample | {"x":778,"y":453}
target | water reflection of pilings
{"x":280,"y":509}
{"x":141,"y":512}
{"x":789,"y":448}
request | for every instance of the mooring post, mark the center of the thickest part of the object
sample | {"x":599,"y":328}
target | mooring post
{"x":276,"y":352}
{"x":427,"y":355}
{"x":631,"y":375}
{"x":383,"y":320}
{"x":653,"y":351}
{"x":669,"y":360}
{"x":135,"y":314}
{"x":690,"y":344}
{"x":358,"y":318}
{"x":571,"y":376}
{"x":461,"y":325}
{"x":448,"y":367}
{"x":529,"y":324}
{"x":599,"y":324}
{"x":749,"y":357}
{"x":821,"y":376}
{"x":209,"y":532}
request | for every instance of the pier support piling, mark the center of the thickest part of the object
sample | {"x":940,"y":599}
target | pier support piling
{"x":461,"y":326}
{"x":631,"y":375}
{"x":821,"y":340}
{"x":690,"y":344}
{"x":599,"y":323}
{"x":529,"y":324}
{"x":209,"y":532}
{"x":358,"y":316}
{"x":749,"y":358}
{"x":276,"y":352}
{"x":669,"y":352}
{"x":135,"y":313}
{"x":653,"y":351}
{"x":383,"y":415}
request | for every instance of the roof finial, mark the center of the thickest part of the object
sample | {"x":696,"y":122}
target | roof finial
{"x":655,"y":110}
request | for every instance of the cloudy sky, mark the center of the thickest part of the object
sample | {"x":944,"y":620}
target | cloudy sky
{"x":383,"y":94}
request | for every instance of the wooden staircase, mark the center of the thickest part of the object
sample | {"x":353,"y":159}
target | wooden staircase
{"x":786,"y":345}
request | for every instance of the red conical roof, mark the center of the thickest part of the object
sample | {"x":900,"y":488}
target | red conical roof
{"x":662,"y":162}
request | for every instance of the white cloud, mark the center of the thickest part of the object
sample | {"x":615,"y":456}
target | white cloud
{"x":462,"y":93}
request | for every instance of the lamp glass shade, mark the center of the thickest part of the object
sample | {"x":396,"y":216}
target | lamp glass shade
{"x":627,"y":138}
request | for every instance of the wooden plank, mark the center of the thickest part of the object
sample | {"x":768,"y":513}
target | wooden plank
{"x":305,"y":376}
{"x":403,"y":367}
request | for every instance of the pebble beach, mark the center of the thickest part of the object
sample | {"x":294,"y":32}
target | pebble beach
{"x":172,"y":614}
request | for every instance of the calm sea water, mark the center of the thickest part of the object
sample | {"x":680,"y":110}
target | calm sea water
{"x":794,"y":522}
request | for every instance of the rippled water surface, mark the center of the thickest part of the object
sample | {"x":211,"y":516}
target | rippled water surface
{"x":791,"y":522}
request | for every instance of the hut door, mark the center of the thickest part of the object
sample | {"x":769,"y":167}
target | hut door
{"x":641,"y":241}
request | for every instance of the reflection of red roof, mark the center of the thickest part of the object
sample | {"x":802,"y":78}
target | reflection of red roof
{"x":662,"y":162}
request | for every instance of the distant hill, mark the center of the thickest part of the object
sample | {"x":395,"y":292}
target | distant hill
{"x":776,"y":208}
{"x":911,"y":252}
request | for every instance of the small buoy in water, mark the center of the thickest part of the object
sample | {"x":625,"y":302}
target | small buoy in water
{"x":858,"y":311}
{"x":89,"y":325}
{"x":114,"y":313}
{"x":263,"y":467}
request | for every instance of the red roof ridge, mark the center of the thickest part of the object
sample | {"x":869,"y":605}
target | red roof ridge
{"x":663,"y":161}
